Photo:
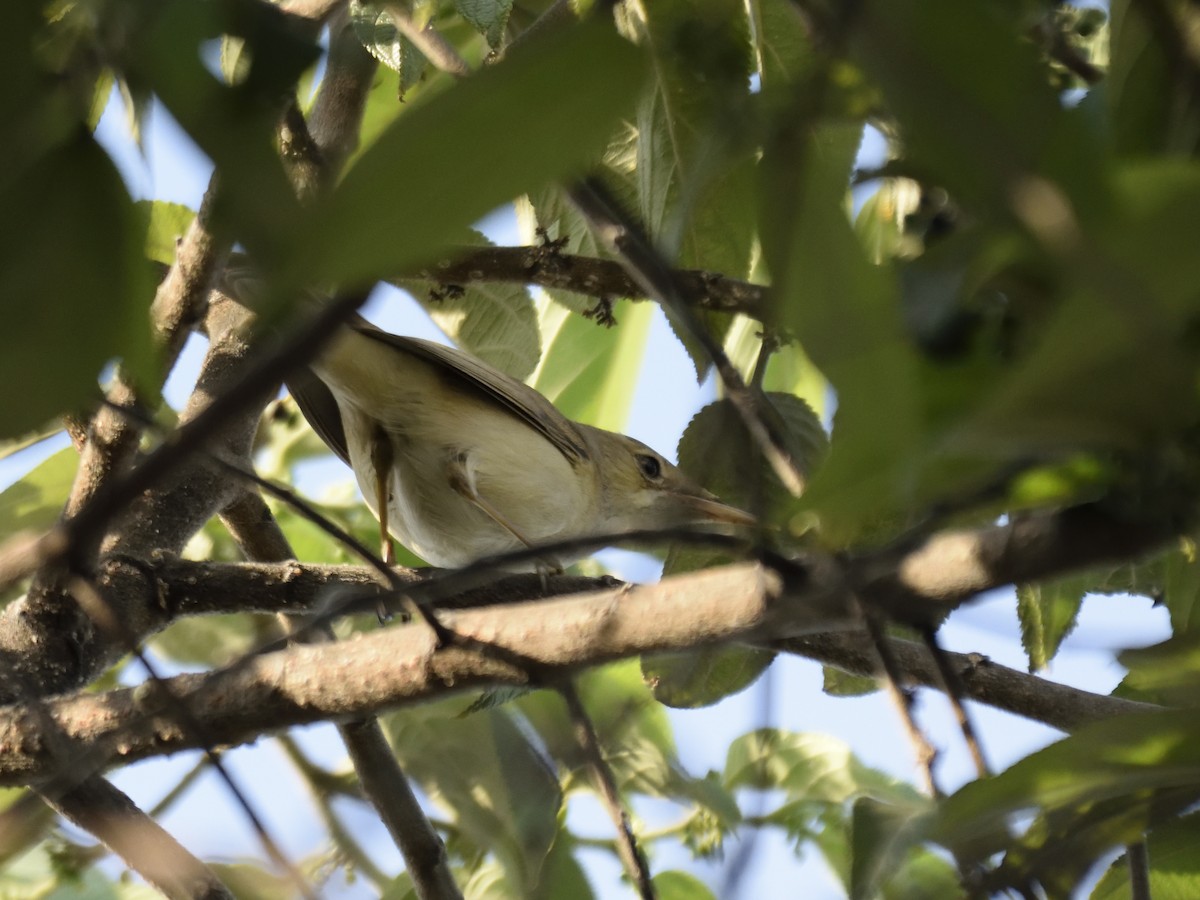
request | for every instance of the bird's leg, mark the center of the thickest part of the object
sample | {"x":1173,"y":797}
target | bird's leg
{"x":381,"y":462}
{"x":461,"y":481}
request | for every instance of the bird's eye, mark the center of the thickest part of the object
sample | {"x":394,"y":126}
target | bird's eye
{"x":649,"y":465}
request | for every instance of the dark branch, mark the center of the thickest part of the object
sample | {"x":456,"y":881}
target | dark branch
{"x":551,"y":268}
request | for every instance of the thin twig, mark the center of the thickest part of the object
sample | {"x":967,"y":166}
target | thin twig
{"x":435,"y":48}
{"x":317,"y":780}
{"x":102,"y":810}
{"x":628,"y":849}
{"x":1138,"y":860}
{"x":646,"y":266}
{"x":117,"y":493}
{"x":902,"y":699}
{"x":383,"y":782}
{"x":953,"y":687}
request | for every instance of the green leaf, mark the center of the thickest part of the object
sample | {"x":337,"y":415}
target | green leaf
{"x":35,"y":502}
{"x":1181,"y":586}
{"x":81,"y":291}
{"x":1167,"y":673}
{"x":1099,"y":788}
{"x":424,"y":179}
{"x":924,"y":876}
{"x":882,"y":837}
{"x":211,"y":641}
{"x":491,"y":780}
{"x":377,"y":32}
{"x":494,"y":321}
{"x":1048,"y":612}
{"x":978,"y":136}
{"x":235,"y":125}
{"x":703,"y":677}
{"x":837,"y":683}
{"x":488,"y":17}
{"x":717,"y":451}
{"x":1144,"y":102}
{"x":844,"y":312}
{"x":562,"y":874}
{"x":680,"y":886}
{"x":588,"y":371}
{"x":694,"y":178}
{"x":810,"y":768}
{"x":1174,"y":864}
{"x":782,"y":47}
{"x":25,"y":441}
{"x":548,"y":212}
{"x":168,"y":223}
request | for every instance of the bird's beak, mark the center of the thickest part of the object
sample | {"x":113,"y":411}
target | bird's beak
{"x":711,"y":509}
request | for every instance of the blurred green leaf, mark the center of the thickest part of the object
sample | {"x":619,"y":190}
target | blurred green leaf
{"x":35,"y":502}
{"x":882,"y":837}
{"x":703,"y":677}
{"x":837,"y":683}
{"x":633,"y":728}
{"x":1143,"y":101}
{"x":482,"y":769}
{"x":681,"y":886}
{"x":423,"y":179}
{"x":717,"y":451}
{"x":1167,"y":673}
{"x":25,"y":441}
{"x":977,"y":136}
{"x":168,"y":223}
{"x":562,"y":875}
{"x":782,"y":47}
{"x":844,"y":312}
{"x":813,"y":768}
{"x":211,"y":641}
{"x":1099,"y":788}
{"x":233,"y":124}
{"x":68,"y":284}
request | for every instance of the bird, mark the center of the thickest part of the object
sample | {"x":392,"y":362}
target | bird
{"x":460,"y":461}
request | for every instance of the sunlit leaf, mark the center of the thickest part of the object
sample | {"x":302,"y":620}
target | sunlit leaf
{"x":590,"y":372}
{"x":36,"y":501}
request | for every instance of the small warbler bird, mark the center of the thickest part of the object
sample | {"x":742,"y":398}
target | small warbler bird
{"x":460,"y":461}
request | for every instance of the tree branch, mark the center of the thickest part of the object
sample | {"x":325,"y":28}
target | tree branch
{"x":548,"y":267}
{"x":102,"y":810}
{"x":1057,"y":705}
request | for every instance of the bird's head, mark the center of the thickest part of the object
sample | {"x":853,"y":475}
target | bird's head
{"x":639,"y":489}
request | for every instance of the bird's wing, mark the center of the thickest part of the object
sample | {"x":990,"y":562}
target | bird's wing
{"x":515,"y":396}
{"x":317,"y":403}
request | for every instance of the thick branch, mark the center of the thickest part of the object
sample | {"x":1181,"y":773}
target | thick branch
{"x":400,"y":665}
